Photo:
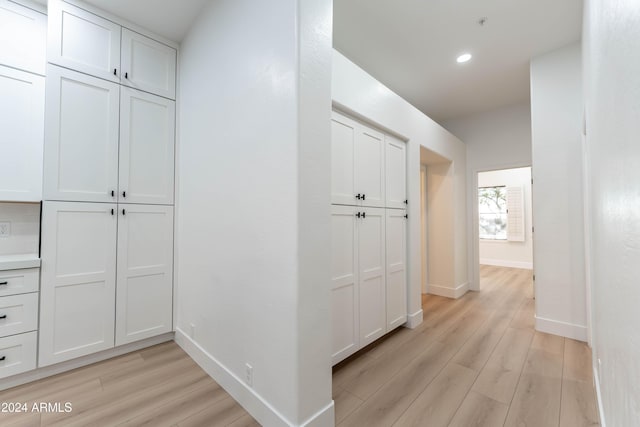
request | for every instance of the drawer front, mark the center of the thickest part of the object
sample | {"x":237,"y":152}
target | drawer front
{"x":18,"y":314}
{"x":18,"y":354}
{"x":14,"y":282}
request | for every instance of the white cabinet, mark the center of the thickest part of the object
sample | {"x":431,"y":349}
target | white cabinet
{"x":18,"y":314}
{"x":147,"y":133}
{"x":23,"y":38}
{"x":22,"y":124}
{"x":18,"y":354}
{"x":86,"y":42}
{"x":81,"y":137}
{"x":371,"y":274}
{"x":344,"y":282}
{"x":145,"y":272}
{"x":395,"y":172}
{"x":357,"y":167}
{"x":396,"y":267}
{"x":148,"y":65}
{"x":83,"y":41}
{"x":77,"y":306}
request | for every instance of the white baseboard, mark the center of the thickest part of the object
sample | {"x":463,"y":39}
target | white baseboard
{"x":414,"y":319}
{"x":259,"y":408}
{"x":507,"y":263}
{"x":596,"y":381}
{"x":445,"y":291}
{"x":58,"y":368}
{"x":563,"y":329}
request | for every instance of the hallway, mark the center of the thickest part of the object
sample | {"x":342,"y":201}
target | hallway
{"x":473,"y":361}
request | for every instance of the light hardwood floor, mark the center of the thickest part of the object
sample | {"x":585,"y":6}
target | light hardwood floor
{"x":475,"y":361}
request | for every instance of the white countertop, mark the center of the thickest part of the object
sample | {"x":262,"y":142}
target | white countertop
{"x":14,"y":262}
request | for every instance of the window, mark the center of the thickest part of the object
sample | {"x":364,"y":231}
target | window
{"x":492,"y":212}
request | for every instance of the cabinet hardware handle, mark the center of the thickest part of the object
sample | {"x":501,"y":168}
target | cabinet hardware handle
{"x":4,"y":283}
{"x":358,"y":196}
{"x":364,"y":214}
{"x":123,"y":212}
{"x":124,"y":194}
{"x":2,"y":358}
{"x":363,"y":196}
{"x":126,"y":75}
{"x":406,"y":202}
{"x":113,"y":193}
{"x":115,"y":72}
{"x":358,"y":215}
{"x":406,"y":215}
{"x":4,"y":316}
{"x":112,"y":212}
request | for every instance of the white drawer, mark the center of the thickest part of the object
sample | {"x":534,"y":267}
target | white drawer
{"x":17,"y":354}
{"x":18,"y":314}
{"x":13,"y":282}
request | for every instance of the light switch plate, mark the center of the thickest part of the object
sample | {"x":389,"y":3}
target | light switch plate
{"x":5,"y":229}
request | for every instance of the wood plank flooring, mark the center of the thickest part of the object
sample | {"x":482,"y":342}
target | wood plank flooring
{"x":475,"y":361}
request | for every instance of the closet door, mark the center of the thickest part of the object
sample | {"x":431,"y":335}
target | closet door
{"x":81,"y":137}
{"x":371,"y":274}
{"x":148,"y":65}
{"x":83,"y":41}
{"x":396,"y":172}
{"x":369,"y":166}
{"x":77,"y":296}
{"x":145,"y":272}
{"x":343,"y":146}
{"x":22,"y":124}
{"x":23,"y":37}
{"x":396,"y":271}
{"x":147,"y":134}
{"x":344,"y":283}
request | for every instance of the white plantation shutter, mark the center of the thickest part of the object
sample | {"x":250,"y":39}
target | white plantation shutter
{"x":515,"y":214}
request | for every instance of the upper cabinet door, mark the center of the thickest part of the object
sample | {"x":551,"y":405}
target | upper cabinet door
{"x":145,"y":272}
{"x":23,"y":37}
{"x":81,"y":137}
{"x":369,"y":169}
{"x":396,"y":172}
{"x":147,"y":129}
{"x":396,"y":255}
{"x":148,"y":65}
{"x":22,"y":124}
{"x":83,"y":41}
{"x":343,"y":140}
{"x":78,"y":279}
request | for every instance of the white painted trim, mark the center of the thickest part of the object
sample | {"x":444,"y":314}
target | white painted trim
{"x":31,"y":5}
{"x":596,"y":381}
{"x":563,"y":329}
{"x":507,"y":263}
{"x":69,"y":365}
{"x":259,"y":408}
{"x":445,"y":291}
{"x":414,"y":319}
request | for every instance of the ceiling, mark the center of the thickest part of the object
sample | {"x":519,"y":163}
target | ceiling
{"x":411,"y":46}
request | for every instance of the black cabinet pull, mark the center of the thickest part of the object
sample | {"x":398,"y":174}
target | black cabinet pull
{"x":115,"y":72}
{"x":113,"y":193}
{"x":364,"y":214}
{"x":358,"y":215}
{"x":4,"y":316}
{"x":4,"y":283}
{"x":406,"y":202}
{"x":406,"y":215}
{"x":124,"y":194}
{"x":126,"y":75}
{"x":358,"y":196}
{"x":112,"y":212}
{"x":2,"y":358}
{"x":123,"y":212}
{"x":363,"y":196}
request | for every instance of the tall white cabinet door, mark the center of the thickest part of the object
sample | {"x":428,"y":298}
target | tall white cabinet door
{"x":343,"y":149}
{"x":83,"y":41}
{"x":145,"y":272}
{"x":22,"y":124}
{"x":396,"y":254}
{"x":344,"y":283}
{"x":147,"y":134}
{"x":81,"y":137}
{"x":148,"y":65}
{"x":396,"y":172}
{"x":78,"y":277}
{"x":371,"y":274}
{"x":369,"y":167}
{"x":23,"y":37}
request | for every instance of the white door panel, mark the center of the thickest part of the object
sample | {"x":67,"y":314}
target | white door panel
{"x":23,"y":38}
{"x":343,"y":134}
{"x":396,"y":268}
{"x":369,"y":169}
{"x":395,"y":172}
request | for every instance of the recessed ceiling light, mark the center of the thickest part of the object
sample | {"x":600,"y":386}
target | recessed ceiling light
{"x":463,"y":58}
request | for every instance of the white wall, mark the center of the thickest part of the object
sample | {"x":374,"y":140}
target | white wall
{"x":252,"y":221}
{"x":358,"y":93}
{"x":612,"y":89}
{"x":496,"y":139}
{"x":24,"y":223}
{"x":556,"y":123}
{"x":507,"y":253}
